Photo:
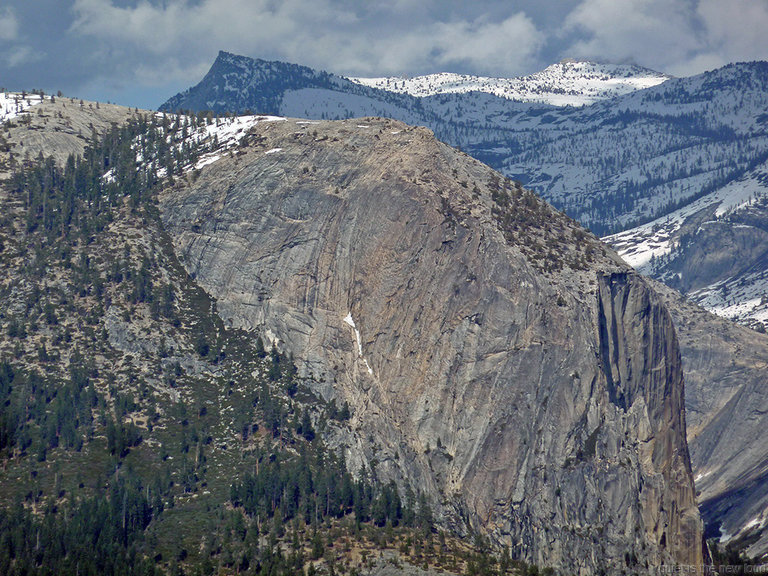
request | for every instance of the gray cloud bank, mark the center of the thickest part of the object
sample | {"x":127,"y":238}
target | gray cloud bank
{"x":141,"y":52}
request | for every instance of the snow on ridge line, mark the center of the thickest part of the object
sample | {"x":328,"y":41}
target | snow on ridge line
{"x":228,"y":133}
{"x":216,"y":137}
{"x":638,"y":246}
{"x":12,"y":104}
{"x":562,"y":84}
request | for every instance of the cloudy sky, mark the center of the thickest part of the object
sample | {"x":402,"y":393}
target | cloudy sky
{"x":140,"y":52}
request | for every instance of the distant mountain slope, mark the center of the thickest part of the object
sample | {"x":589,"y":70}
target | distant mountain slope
{"x":567,"y":83}
{"x":621,"y":161}
{"x":640,"y":156}
{"x":650,"y":155}
{"x":715,"y":250}
{"x":239,"y":84}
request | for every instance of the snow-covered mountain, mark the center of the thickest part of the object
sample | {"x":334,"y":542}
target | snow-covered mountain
{"x":714,"y":249}
{"x":241,"y":85}
{"x":632,"y":159}
{"x":645,"y":154}
{"x":567,"y":83}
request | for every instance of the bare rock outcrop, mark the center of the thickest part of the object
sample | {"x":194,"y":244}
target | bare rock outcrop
{"x":60,"y":127}
{"x":495,"y":355}
{"x":726,"y":374}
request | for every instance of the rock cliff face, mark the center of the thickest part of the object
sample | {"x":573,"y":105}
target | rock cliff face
{"x":494,"y":355}
{"x":726,"y":372}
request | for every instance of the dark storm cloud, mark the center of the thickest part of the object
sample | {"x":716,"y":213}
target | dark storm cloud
{"x":140,"y":52}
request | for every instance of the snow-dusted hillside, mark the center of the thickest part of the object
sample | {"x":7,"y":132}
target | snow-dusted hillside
{"x":654,"y":241}
{"x":567,"y":83}
{"x":714,"y":249}
{"x":13,"y":104}
{"x":638,"y":157}
{"x":212,"y":138}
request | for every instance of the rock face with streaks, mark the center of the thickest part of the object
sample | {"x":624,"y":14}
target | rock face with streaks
{"x":726,"y":374}
{"x":494,"y":354}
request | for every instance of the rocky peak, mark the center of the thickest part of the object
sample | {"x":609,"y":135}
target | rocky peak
{"x":494,"y":354}
{"x":238,"y":83}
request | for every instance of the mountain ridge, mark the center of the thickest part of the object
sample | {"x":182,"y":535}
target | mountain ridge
{"x":612,"y":165}
{"x":360,"y":331}
{"x":360,"y":322}
{"x":567,"y":83}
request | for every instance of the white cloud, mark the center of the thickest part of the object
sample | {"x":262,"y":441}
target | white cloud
{"x":22,"y":54}
{"x":653,"y":32}
{"x":507,"y":45}
{"x":185,"y":37}
{"x":737,"y":27}
{"x":18,"y":52}
{"x":9,"y":25}
{"x":319,"y":33}
{"x":735,"y":31}
{"x":179,"y":25}
{"x":682,"y":37}
{"x":480,"y":45}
